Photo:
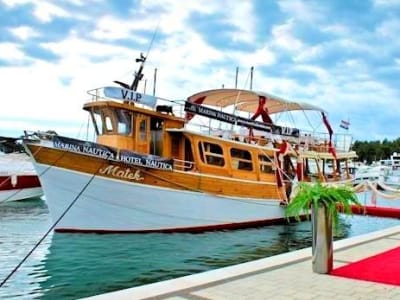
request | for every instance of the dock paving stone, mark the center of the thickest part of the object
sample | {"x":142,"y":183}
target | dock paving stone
{"x":294,"y":279}
{"x":177,"y":298}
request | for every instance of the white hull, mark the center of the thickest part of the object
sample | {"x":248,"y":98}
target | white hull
{"x":109,"y":205}
{"x":20,"y":194}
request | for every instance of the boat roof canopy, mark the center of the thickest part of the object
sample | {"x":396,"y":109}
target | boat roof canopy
{"x":248,"y":101}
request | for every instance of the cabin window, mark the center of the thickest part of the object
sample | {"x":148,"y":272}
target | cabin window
{"x":108,"y":123}
{"x":143,"y":130}
{"x":266,"y":165}
{"x":104,"y":121}
{"x":211,"y":154}
{"x":124,"y":118}
{"x":97,"y":123}
{"x":189,"y":160}
{"x":241,"y":159}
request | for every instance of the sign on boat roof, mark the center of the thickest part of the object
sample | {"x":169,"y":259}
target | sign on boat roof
{"x":246,"y":100}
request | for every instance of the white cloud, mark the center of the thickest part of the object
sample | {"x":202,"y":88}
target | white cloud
{"x":306,"y":12}
{"x":11,"y":52}
{"x":12,"y":3}
{"x":320,"y":73}
{"x":243,"y":19}
{"x":77,"y":2}
{"x":44,"y":10}
{"x":45,"y":98}
{"x":284,"y":39}
{"x":111,"y":28}
{"x":188,"y":62}
{"x":24,"y":32}
{"x":259,"y":57}
{"x":173,"y":16}
{"x":176,"y":15}
{"x":76,"y":47}
{"x":308,"y":53}
{"x":350,"y":43}
{"x":335,"y":28}
{"x":386,"y":3}
{"x":389,"y":28}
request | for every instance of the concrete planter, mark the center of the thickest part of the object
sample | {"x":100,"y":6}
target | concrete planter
{"x":322,"y":240}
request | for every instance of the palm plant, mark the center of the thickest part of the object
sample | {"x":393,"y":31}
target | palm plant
{"x":335,"y":198}
{"x":325,"y":202}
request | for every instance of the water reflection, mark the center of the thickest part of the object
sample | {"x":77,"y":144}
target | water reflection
{"x":69,"y":266}
{"x":79,"y":265}
{"x":22,"y":224}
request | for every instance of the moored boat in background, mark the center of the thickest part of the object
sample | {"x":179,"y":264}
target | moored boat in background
{"x":18,"y":179}
{"x":152,"y":168}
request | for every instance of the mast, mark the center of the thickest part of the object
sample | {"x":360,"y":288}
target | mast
{"x":139,"y":73}
{"x":251,"y":77}
{"x":154,"y":81}
{"x":236,"y":77}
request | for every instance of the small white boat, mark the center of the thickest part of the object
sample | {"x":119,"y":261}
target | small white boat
{"x":18,"y":179}
{"x":391,"y":174}
{"x":368,"y":173}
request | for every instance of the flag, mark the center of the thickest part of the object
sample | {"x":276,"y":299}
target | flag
{"x":345,"y":124}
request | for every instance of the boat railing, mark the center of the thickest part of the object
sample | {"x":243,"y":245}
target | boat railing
{"x":129,"y":96}
{"x":307,"y":140}
{"x":184,"y":165}
{"x":319,"y":141}
{"x":310,"y":140}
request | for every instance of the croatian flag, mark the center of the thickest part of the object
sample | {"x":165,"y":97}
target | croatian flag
{"x":344,"y":124}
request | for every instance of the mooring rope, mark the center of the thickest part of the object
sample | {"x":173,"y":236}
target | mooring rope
{"x":57,"y":221}
{"x":49,"y":230}
{"x":373,"y":187}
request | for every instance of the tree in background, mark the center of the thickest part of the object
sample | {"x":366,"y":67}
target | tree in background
{"x":370,"y":151}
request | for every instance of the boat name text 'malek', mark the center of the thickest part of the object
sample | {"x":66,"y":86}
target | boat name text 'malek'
{"x":126,"y":173}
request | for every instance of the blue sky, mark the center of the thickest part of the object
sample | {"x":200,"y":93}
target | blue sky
{"x":341,"y":55}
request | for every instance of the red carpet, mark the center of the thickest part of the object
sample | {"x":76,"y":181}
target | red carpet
{"x":382,"y":268}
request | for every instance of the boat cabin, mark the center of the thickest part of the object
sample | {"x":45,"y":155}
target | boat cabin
{"x":130,"y":127}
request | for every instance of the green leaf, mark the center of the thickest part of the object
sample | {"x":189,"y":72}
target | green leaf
{"x":333,"y":197}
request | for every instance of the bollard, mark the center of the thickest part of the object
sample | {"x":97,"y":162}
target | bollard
{"x":322,"y":240}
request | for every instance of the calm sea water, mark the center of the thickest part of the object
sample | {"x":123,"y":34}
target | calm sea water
{"x":70,"y":266}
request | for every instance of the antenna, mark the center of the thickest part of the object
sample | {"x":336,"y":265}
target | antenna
{"x":154,"y":81}
{"x":139,"y":73}
{"x":236,"y":77}
{"x":251,"y":78}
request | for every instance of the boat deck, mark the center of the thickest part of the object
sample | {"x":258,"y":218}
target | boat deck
{"x":285,"y":276}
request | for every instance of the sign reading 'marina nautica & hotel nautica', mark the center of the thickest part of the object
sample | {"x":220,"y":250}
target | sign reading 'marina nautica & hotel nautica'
{"x":240,"y":121}
{"x":109,"y":153}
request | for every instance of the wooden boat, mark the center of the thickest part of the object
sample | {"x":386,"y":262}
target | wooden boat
{"x":152,"y":170}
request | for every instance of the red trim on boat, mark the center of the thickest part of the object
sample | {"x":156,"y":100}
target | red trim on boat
{"x":197,"y":229}
{"x":22,"y":182}
{"x":386,"y":212}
